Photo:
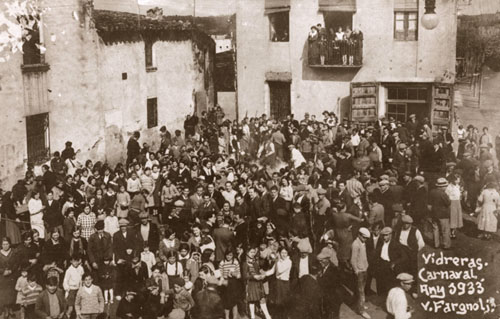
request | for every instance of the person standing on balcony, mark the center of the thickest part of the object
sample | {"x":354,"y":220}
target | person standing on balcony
{"x":357,"y":39}
{"x":313,"y":46}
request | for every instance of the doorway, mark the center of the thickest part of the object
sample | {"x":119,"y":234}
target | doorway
{"x":280,"y":99}
{"x":336,"y":19}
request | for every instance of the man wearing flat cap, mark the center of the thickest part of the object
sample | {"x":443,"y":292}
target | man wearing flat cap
{"x":439,"y":203}
{"x":390,"y":261}
{"x":411,"y":240}
{"x":146,"y":232}
{"x":359,"y":263}
{"x":321,"y":212}
{"x":329,"y":282}
{"x":123,"y":240}
{"x":397,"y":303}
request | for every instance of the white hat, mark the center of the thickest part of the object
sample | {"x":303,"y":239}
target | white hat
{"x":364,"y":232}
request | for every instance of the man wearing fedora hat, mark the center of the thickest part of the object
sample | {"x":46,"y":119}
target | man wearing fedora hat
{"x":439,"y":204}
{"x":396,"y":303}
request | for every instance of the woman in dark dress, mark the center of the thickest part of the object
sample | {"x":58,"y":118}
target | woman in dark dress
{"x":8,"y":277}
{"x":8,"y":213}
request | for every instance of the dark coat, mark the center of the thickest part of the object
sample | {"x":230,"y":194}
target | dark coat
{"x":153,"y":239}
{"x":42,"y":305}
{"x":307,"y":301}
{"x":52,"y":215}
{"x":294,"y":271}
{"x":223,"y":238}
{"x":266,"y":201}
{"x":397,"y":256}
{"x":208,"y":305}
{"x":98,"y":250}
{"x":255,"y":208}
{"x":121,"y":244}
{"x":439,"y":203}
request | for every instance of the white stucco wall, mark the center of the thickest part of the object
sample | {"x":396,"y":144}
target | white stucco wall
{"x":314,"y":90}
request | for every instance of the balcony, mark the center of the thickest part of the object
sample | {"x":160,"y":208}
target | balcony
{"x":335,"y":53}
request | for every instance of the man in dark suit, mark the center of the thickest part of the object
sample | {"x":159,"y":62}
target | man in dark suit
{"x":123,"y":240}
{"x":266,"y":200}
{"x":196,"y":201}
{"x":373,"y":244}
{"x":279,"y":212}
{"x":133,"y":147}
{"x":223,"y":238}
{"x":146,"y":232}
{"x":390,"y":261}
{"x":215,"y":195}
{"x":99,"y":246}
{"x":240,"y":207}
{"x":255,"y":207}
{"x":307,"y":296}
{"x":301,"y":262}
{"x":52,"y":216}
{"x":208,"y":208}
{"x":49,"y":178}
{"x":329,"y":282}
{"x":418,"y":200}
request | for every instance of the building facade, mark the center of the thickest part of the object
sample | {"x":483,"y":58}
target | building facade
{"x":101,"y":76}
{"x":394,"y":67}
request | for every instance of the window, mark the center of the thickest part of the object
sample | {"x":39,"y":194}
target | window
{"x":37,"y":134}
{"x":397,"y":111}
{"x":152,"y":112}
{"x":149,"y":54}
{"x":31,"y":46}
{"x":406,"y":26}
{"x":278,"y":26}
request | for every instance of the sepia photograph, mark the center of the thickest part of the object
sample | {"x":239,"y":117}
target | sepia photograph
{"x":249,"y":159}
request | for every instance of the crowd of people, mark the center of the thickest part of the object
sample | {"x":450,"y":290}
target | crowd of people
{"x":230,"y":219}
{"x":330,"y":47}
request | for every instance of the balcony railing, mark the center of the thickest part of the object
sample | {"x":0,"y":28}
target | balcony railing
{"x":335,"y":53}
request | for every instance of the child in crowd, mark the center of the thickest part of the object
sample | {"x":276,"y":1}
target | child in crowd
{"x":111,"y":223}
{"x":148,"y":257}
{"x":21,"y":283}
{"x":73,"y":280}
{"x":30,"y":295}
{"x":183,"y":301}
{"x":107,"y":279}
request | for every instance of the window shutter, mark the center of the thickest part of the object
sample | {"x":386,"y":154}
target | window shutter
{"x":405,"y":5}
{"x":273,"y":6}
{"x":337,"y":5}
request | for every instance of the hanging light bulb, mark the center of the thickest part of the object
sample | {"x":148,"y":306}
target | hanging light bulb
{"x":430,"y":19}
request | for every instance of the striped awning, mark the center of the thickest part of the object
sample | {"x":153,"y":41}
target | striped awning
{"x":405,"y":5}
{"x":273,"y":6}
{"x":337,"y":5}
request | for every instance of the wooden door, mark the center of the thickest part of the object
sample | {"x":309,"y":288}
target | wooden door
{"x":280,"y":99}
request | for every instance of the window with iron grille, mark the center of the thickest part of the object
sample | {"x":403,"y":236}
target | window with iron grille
{"x":37,"y":134}
{"x":406,"y":25}
{"x":152,"y":112}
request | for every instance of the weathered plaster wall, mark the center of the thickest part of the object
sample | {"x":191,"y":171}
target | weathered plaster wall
{"x":87,"y":100}
{"x":314,"y":90}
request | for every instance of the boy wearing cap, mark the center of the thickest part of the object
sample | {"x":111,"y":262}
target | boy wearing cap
{"x":359,"y":263}
{"x":396,"y":303}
